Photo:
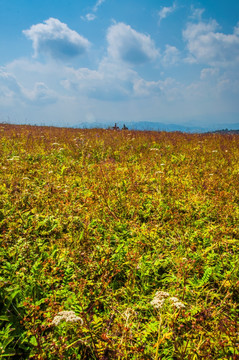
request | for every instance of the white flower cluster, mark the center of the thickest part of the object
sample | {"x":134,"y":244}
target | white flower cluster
{"x":160,"y":297}
{"x":68,"y":316}
{"x":178,"y":304}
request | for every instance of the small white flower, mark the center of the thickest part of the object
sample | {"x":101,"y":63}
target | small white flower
{"x":160,"y":298}
{"x":67,"y":316}
{"x":179,"y":305}
{"x":174,"y":299}
{"x":162,"y":294}
{"x":14,"y":158}
{"x":157,"y":303}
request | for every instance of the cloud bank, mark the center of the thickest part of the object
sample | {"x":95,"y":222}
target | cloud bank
{"x":132,"y":78}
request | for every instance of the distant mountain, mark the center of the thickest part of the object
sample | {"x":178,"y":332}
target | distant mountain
{"x":158,"y":126}
{"x":225,"y":131}
{"x":141,"y":125}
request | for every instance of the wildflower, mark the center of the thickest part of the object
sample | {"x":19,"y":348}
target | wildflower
{"x":179,"y":305}
{"x":68,"y":316}
{"x":157,"y":303}
{"x":159,"y":299}
{"x":174,"y":299}
{"x":16,"y":158}
{"x":162,"y":294}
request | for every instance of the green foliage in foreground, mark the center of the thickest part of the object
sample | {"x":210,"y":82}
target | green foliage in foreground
{"x":96,"y":226}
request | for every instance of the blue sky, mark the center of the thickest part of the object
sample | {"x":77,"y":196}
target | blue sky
{"x":63,"y":62}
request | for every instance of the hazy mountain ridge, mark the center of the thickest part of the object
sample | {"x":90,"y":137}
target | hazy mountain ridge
{"x":158,"y":126}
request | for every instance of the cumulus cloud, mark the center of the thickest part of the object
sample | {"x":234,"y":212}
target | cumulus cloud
{"x":143,"y":88}
{"x":12,"y":90}
{"x":171,"y":55}
{"x":167,"y":89}
{"x":41,"y":95}
{"x":9,"y":86}
{"x":54,"y":38}
{"x":128,"y":45}
{"x":115,"y":82}
{"x":165,"y":11}
{"x":208,"y":46}
{"x":111,"y":81}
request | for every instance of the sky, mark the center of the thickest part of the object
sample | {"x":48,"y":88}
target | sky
{"x":66,"y":62}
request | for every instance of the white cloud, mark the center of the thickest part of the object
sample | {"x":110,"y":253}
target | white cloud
{"x":128,"y":45}
{"x":143,"y":88}
{"x":98,"y":4}
{"x":8,"y":83}
{"x":41,"y":95}
{"x":209,"y":73}
{"x":92,"y":15}
{"x":171,"y":55}
{"x":12,"y":90}
{"x":55,"y":39}
{"x":165,"y":11}
{"x":111,"y":81}
{"x":236,"y":29}
{"x":207,"y":46}
{"x":197,"y":14}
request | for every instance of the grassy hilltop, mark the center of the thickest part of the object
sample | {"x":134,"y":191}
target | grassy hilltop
{"x":118,"y":244}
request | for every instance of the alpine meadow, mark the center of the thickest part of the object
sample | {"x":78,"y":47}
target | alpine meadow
{"x":118,"y":244}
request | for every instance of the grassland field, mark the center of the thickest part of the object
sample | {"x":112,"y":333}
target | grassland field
{"x":118,"y":244}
